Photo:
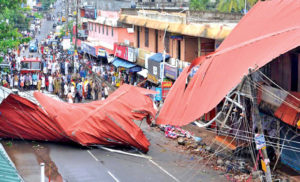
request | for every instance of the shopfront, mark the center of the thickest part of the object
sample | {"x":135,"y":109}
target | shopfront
{"x":88,"y":49}
{"x":102,"y":55}
{"x":155,"y":66}
{"x":126,"y":71}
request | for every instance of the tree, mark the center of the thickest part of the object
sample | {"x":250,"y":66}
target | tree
{"x":199,"y":4}
{"x":234,"y":5}
{"x":10,"y":17}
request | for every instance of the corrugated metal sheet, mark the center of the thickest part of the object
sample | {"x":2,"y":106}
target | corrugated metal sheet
{"x":207,"y":30}
{"x":8,"y":171}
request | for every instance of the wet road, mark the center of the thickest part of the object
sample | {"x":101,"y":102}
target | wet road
{"x":164,"y":162}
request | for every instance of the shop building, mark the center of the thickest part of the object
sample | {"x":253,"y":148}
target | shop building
{"x":177,"y":38}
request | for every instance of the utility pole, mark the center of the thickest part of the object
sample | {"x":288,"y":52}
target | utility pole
{"x":257,"y":118}
{"x":67,"y":16}
{"x":76,"y":26}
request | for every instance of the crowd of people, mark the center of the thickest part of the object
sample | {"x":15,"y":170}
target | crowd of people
{"x":59,"y":74}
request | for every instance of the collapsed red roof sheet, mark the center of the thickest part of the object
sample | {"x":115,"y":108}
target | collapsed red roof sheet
{"x":269,"y":29}
{"x":108,"y":122}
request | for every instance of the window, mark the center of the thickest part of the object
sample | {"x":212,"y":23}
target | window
{"x":112,"y":31}
{"x":106,"y":30}
{"x":25,"y":65}
{"x":35,"y":65}
{"x":146,"y":37}
{"x":103,"y":29}
{"x":99,"y":29}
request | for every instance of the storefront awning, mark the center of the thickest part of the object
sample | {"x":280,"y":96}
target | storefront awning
{"x":117,"y":62}
{"x":143,"y":73}
{"x":159,"y":57}
{"x":255,"y":41}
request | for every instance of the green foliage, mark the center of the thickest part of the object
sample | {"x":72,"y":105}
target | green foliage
{"x":221,"y":5}
{"x":12,"y":18}
{"x":234,"y":5}
{"x":230,"y":5}
{"x":199,"y":4}
{"x":38,"y":15}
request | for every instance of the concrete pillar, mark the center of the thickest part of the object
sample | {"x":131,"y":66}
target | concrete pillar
{"x":42,"y":172}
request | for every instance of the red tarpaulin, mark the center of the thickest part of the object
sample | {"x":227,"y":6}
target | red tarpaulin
{"x":268,"y":30}
{"x":107,"y":122}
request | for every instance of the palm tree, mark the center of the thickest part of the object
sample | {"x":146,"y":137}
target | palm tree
{"x":234,"y":5}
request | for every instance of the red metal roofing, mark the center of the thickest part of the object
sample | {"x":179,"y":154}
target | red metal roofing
{"x":268,"y":30}
{"x":107,"y":122}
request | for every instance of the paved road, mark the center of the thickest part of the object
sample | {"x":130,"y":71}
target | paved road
{"x":72,"y":163}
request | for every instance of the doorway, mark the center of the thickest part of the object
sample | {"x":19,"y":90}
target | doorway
{"x":294,"y":72}
{"x":178,"y":49}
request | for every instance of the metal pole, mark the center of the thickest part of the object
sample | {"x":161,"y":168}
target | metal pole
{"x":67,"y":16}
{"x":42,"y":172}
{"x":76,"y":29}
{"x":257,"y":118}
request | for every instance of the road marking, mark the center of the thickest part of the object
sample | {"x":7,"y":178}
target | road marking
{"x":165,"y":171}
{"x":141,"y":156}
{"x":125,"y":153}
{"x":116,"y":179}
{"x":93,"y":155}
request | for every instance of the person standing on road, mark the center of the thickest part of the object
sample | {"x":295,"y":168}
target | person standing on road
{"x":106,"y":91}
{"x":50,"y":78}
{"x":70,"y":97}
{"x":66,"y":90}
{"x":43,"y":84}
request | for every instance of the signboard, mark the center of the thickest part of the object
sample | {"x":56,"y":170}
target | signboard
{"x":88,"y":49}
{"x":154,"y":68}
{"x":131,"y":55}
{"x":161,"y":70}
{"x":125,"y":52}
{"x":152,"y":78}
{"x":90,"y":12}
{"x":171,"y":71}
{"x":101,"y":52}
{"x":121,"y":51}
{"x":260,"y":141}
{"x":166,"y":86}
{"x":66,"y":43}
{"x":158,"y":96}
{"x":142,"y":54}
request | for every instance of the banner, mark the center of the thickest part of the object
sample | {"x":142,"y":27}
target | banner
{"x":158,"y":96}
{"x":125,"y":52}
{"x":88,"y":49}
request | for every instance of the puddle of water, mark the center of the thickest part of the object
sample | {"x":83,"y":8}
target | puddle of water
{"x":27,"y":156}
